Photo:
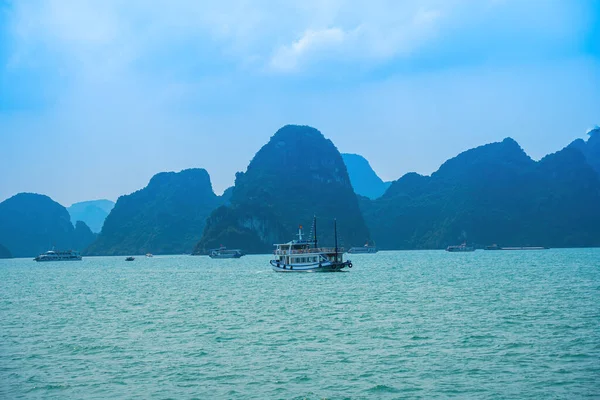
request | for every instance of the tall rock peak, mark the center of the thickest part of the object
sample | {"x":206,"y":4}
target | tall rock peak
{"x":298,"y":174}
{"x":590,"y":148}
{"x":33,"y":223}
{"x":166,"y":217}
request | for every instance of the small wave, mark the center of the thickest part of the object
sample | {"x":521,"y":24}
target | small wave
{"x":383,"y":389}
{"x":303,"y":378}
{"x":49,"y":387}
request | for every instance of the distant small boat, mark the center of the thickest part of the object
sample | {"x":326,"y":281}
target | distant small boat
{"x":222,"y":252}
{"x":129,"y":258}
{"x":496,"y":247}
{"x":149,"y":255}
{"x":366,"y":249}
{"x":493,"y":247}
{"x":463,"y":248}
{"x":53,"y":255}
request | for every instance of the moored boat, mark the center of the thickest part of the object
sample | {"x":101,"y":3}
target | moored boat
{"x":222,"y":252}
{"x":460,"y":248}
{"x":54,"y":255}
{"x":495,"y":247}
{"x":366,"y":249}
{"x":306,"y":256}
{"x":129,"y":258}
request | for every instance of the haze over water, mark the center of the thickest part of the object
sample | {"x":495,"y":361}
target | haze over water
{"x":422,"y":324}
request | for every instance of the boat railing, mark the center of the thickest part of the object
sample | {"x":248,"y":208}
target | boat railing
{"x":284,"y":252}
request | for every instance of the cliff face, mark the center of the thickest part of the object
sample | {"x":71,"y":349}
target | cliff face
{"x":298,"y":174}
{"x":83,"y":235}
{"x":32,"y":223}
{"x":492,"y":194}
{"x":4,"y":252}
{"x":166,"y":217}
{"x":590,"y":148}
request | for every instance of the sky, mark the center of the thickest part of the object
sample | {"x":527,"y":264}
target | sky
{"x":98,"y":96}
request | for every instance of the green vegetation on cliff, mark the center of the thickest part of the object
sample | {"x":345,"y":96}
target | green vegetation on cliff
{"x":83,"y":235}
{"x":166,"y":217}
{"x":298,"y":174}
{"x":590,"y":148}
{"x":491,"y":194}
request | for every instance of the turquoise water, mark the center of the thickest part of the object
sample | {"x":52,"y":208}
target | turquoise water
{"x":431,"y":324}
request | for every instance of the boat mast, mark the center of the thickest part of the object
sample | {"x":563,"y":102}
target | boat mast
{"x":315,"y":227}
{"x":335,"y":235}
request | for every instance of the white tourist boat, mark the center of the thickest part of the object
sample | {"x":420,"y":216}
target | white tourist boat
{"x":306,"y":256}
{"x":54,"y":255}
{"x":366,"y":249}
{"x":222,"y":252}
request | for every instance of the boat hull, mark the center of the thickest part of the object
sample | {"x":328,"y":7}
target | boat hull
{"x":320,"y":267}
{"x":360,"y":250}
{"x":226,"y":256}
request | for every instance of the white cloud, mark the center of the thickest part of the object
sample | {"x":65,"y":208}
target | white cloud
{"x":280,"y":36}
{"x":287,"y":57}
{"x":373,"y":34}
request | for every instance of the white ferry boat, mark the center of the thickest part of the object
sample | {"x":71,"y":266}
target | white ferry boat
{"x":222,"y":252}
{"x":306,"y":256}
{"x":53,"y":255}
{"x":366,"y":249}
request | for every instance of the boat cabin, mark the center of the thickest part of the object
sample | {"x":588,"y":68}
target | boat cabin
{"x":303,"y":252}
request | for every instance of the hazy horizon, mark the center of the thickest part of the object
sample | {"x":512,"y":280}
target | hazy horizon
{"x":96,"y":98}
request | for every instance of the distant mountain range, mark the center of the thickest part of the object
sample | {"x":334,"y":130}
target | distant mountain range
{"x":166,"y":217}
{"x":93,"y":213}
{"x":490,"y":194}
{"x":364,"y":180}
{"x":31,"y":224}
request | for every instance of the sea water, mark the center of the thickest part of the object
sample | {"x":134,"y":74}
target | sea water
{"x":413,"y":324}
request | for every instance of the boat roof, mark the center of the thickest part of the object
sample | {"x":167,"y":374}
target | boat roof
{"x":224,"y":249}
{"x":295,"y":242}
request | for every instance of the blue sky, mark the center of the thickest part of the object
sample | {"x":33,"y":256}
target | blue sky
{"x":98,"y":96}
